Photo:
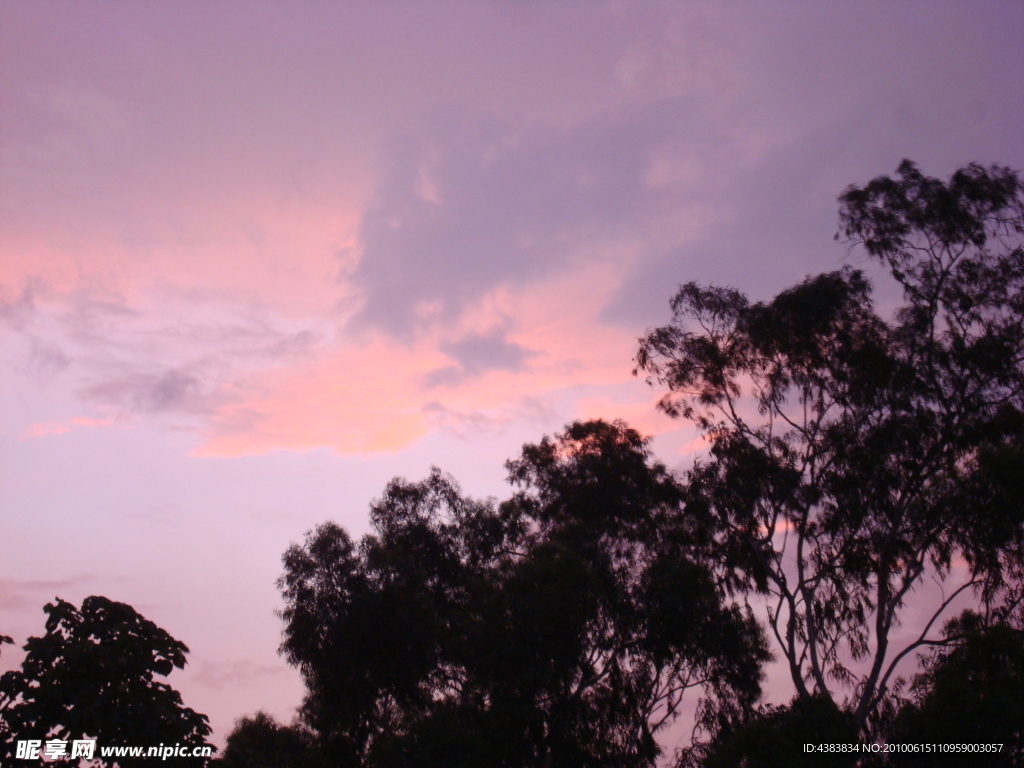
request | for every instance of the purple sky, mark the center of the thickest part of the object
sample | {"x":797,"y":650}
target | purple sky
{"x":256,"y":259}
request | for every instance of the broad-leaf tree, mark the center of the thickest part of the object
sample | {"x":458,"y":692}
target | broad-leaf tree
{"x":561,"y":627}
{"x":853,"y":456}
{"x":95,"y":675}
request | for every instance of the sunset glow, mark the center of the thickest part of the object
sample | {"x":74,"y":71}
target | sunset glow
{"x":257,"y":259}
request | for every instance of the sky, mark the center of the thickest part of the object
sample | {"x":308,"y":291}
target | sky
{"x":257,"y":259}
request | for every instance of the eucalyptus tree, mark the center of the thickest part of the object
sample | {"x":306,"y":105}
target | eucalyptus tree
{"x":560,"y":627}
{"x":851,"y":457}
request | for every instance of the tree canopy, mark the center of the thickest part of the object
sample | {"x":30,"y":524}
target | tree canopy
{"x":970,"y":690}
{"x":852,"y":455}
{"x":92,"y":676}
{"x":261,"y":742}
{"x":560,"y":627}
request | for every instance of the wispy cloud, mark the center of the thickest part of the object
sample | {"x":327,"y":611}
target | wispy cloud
{"x":48,"y":428}
{"x":235,"y":674}
{"x":404,"y":234}
{"x":16,"y":305}
{"x":125,"y":358}
{"x":176,"y":390}
{"x":33,"y":594}
{"x":476,"y":424}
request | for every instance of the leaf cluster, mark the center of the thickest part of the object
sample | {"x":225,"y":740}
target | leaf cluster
{"x":260,"y":741}
{"x":560,"y":627}
{"x":968,"y":692}
{"x":852,"y":455}
{"x":93,"y":675}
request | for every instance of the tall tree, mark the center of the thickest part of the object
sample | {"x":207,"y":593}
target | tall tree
{"x":561,"y":627}
{"x":852,"y":456}
{"x":92,"y":676}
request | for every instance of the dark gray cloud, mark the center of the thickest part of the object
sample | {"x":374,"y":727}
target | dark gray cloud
{"x":185,"y":361}
{"x":802,"y":103}
{"x":471,"y":204}
{"x":171,"y":390}
{"x":779,"y":225}
{"x":910,"y":99}
{"x":175,"y":390}
{"x":477,"y":354}
{"x":186,"y":371}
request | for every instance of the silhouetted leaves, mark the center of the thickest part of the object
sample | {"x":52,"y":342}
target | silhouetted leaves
{"x":561,"y":627}
{"x":261,"y":742}
{"x":968,"y":693}
{"x":778,"y":735}
{"x":92,"y":676}
{"x":850,"y":455}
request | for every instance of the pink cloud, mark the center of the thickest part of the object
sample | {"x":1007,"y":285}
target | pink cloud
{"x":379,"y":394}
{"x":49,"y":428}
{"x":185,"y":236}
{"x":356,"y":400}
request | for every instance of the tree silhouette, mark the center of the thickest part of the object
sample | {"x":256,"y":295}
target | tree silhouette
{"x":851,"y":456}
{"x":92,"y":676}
{"x":561,"y":627}
{"x":970,"y":692}
{"x":261,"y":742}
{"x":777,"y":735}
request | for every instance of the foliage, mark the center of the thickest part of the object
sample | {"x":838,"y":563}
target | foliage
{"x":560,"y":627}
{"x":967,"y":693}
{"x":777,"y":735}
{"x":92,"y":676}
{"x":261,"y":742}
{"x":852,"y":456}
